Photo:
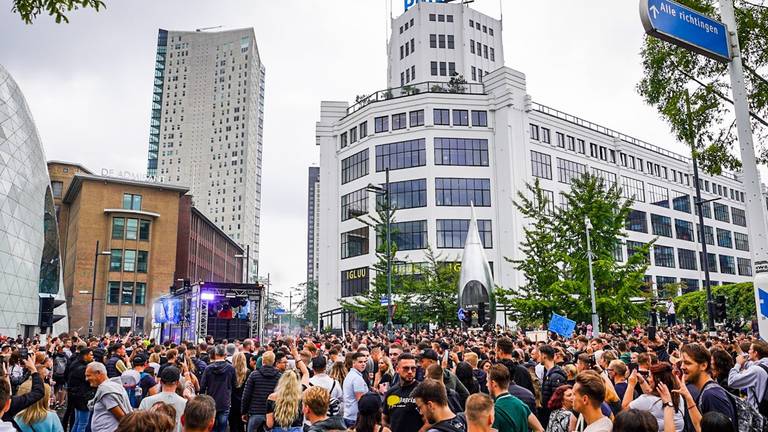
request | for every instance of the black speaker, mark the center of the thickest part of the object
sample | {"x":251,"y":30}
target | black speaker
{"x":481,"y":313}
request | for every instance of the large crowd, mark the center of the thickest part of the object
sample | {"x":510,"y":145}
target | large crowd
{"x":444,"y":380}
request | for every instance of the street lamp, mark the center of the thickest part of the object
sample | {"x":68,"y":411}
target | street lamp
{"x":378,"y":190}
{"x":247,"y":257}
{"x":93,"y":288}
{"x":595,"y":318}
{"x":290,"y":306}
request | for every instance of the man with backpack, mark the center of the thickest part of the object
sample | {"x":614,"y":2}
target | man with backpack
{"x":60,"y":362}
{"x":696,"y":367}
{"x":554,"y":376}
{"x":754,"y":378}
{"x":432,"y":402}
{"x":321,"y":379}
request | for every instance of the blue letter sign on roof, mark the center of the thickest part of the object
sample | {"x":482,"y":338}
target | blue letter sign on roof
{"x":685,"y":27}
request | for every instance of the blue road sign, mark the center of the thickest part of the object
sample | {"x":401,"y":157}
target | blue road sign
{"x":685,"y":27}
{"x":561,"y":325}
{"x":279,"y":311}
{"x":763,"y":303}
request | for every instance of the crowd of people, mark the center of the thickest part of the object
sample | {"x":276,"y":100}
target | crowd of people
{"x":444,"y":380}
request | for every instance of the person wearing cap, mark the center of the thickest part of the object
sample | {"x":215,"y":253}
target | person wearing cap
{"x":79,"y":391}
{"x":169,"y":380}
{"x":369,"y":414}
{"x":321,"y":379}
{"x":147,"y":385}
{"x":118,"y":362}
{"x":427,"y":359}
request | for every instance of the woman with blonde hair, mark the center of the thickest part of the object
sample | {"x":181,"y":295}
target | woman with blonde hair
{"x":338,"y":371}
{"x":241,"y":376}
{"x":38,"y":418}
{"x":284,"y":413}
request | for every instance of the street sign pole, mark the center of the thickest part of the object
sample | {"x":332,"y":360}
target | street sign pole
{"x":751,"y":179}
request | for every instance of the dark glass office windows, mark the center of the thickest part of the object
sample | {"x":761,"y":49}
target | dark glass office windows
{"x":632,"y":189}
{"x":399,"y":121}
{"x":739,"y":216}
{"x":442,"y":116}
{"x":113,"y":292}
{"x":463,"y":191}
{"x":355,"y":282}
{"x":354,"y":243}
{"x":381,"y":124}
{"x":363,"y":129}
{"x":658,"y":195}
{"x":399,"y":155}
{"x":354,"y":167}
{"x":417,"y":118}
{"x":741,"y":240}
{"x":745,"y":266}
{"x":727,"y":264}
{"x":721,"y":212}
{"x":118,"y":228}
{"x":709,"y":234}
{"x":568,"y":170}
{"x":687,"y":259}
{"x":142,"y":261}
{"x":460,"y":117}
{"x":689,"y":285}
{"x":724,"y":238}
{"x":662,"y":225}
{"x":354,"y":204}
{"x":637,"y":221}
{"x":406,"y":194}
{"x":116,"y":260}
{"x":681,"y":202}
{"x":461,"y":151}
{"x":711,"y":262}
{"x":663,"y":256}
{"x":634,"y":247}
{"x":479,"y":118}
{"x":141,"y":295}
{"x":541,"y":165}
{"x":684,"y":229}
{"x":409,"y":235}
{"x":131,"y":201}
{"x":144,"y":230}
{"x":706,"y":210}
{"x":452,"y":233}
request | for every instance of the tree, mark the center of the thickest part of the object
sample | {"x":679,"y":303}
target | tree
{"x":308,"y":306}
{"x":739,"y":298}
{"x":436,"y":289}
{"x":670,"y":70}
{"x":30,"y":9}
{"x":456,"y":83}
{"x":555,"y":261}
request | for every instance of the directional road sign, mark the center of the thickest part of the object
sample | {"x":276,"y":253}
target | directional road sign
{"x":685,"y":27}
{"x":279,"y":311}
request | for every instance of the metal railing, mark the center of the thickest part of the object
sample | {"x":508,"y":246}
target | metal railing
{"x":615,"y":134}
{"x":414,"y":89}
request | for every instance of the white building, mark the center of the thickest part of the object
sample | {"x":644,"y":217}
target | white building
{"x":313,"y":223}
{"x":482,"y":143}
{"x":207,"y":126}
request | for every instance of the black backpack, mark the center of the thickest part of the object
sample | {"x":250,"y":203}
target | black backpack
{"x":334,"y":405}
{"x":457,"y":424}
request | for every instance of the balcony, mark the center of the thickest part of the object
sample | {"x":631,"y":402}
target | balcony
{"x":414,"y":89}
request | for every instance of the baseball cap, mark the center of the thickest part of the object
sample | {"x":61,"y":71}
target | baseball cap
{"x":140,"y":360}
{"x":170,"y":374}
{"x":429,"y":354}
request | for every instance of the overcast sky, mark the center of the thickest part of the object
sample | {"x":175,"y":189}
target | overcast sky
{"x":89,"y":83}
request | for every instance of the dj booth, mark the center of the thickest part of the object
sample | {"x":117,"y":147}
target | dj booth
{"x":222,"y":310}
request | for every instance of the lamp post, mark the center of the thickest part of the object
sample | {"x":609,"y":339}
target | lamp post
{"x":247,"y":258}
{"x":93,"y":287}
{"x":290,"y":306}
{"x":595,"y":318}
{"x":378,"y":190}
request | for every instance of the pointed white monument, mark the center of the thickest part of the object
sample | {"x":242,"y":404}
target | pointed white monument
{"x":476,"y":281}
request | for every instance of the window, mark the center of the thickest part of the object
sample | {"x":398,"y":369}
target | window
{"x":681,"y":202}
{"x":463,"y":191}
{"x":706,"y":210}
{"x":113,"y":293}
{"x":460,"y":118}
{"x":131,"y":201}
{"x":724,"y":238}
{"x":637,"y":221}
{"x":355,"y":282}
{"x":344,"y":140}
{"x":534,"y":132}
{"x":709,"y":234}
{"x":608,"y":178}
{"x":689,"y":285}
{"x":116,"y":260}
{"x":118,"y":227}
{"x":440,"y":18}
{"x":404,"y":154}
{"x":141,"y":295}
{"x":354,"y":204}
{"x":129,"y":260}
{"x":452,"y":233}
{"x":634,"y":247}
{"x":433,"y":40}
{"x":662,"y":225}
{"x":582,"y":146}
{"x":142,"y":261}
{"x":684,"y":229}
{"x":471,"y":24}
{"x":741,"y":241}
{"x":354,"y":167}
{"x":57,"y":188}
{"x":127,"y":296}
{"x":442,"y":116}
{"x":408,"y":235}
{"x":381,"y":124}
{"x":711,"y":262}
{"x":687,"y":259}
{"x":568,"y":170}
{"x":549,"y":197}
{"x":658,"y":195}
{"x":745,"y":266}
{"x":399,"y":121}
{"x":461,"y":152}
{"x":472,"y":46}
{"x":451,"y":42}
{"x":721,"y":212}
{"x":727,"y":264}
{"x":739,"y":217}
{"x":545,"y":137}
{"x":490,"y":31}
{"x":593,"y":150}
{"x":441,"y":41}
{"x":493,"y":55}
{"x":432,"y":17}
{"x":363,"y":129}
{"x":480,"y":118}
{"x":541,"y":165}
{"x":417,"y":118}
{"x":663,"y":256}
{"x":443,"y":70}
{"x":451,"y":69}
{"x":632,"y":189}
{"x":665,"y":284}
{"x":433,"y":68}
{"x":474,"y":73}
{"x":406,"y":194}
{"x":353,"y":135}
{"x":449,"y":18}
{"x":571,"y":143}
{"x":354,"y":243}
{"x":560,"y":139}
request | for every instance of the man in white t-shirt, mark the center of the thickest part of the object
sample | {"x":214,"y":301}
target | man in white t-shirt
{"x":588,"y":394}
{"x":321,"y":379}
{"x":169,"y":380}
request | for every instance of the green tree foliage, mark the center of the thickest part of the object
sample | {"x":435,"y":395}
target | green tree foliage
{"x":30,"y":9}
{"x":670,"y":70}
{"x":739,"y":300}
{"x":555,"y":260}
{"x":307,"y":307}
{"x":436,"y":290}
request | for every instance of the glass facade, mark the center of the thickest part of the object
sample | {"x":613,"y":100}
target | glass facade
{"x":541,"y":165}
{"x":406,"y":194}
{"x":354,"y":167}
{"x":354,"y":243}
{"x":157,"y":103}
{"x":354,"y":204}
{"x":408,"y":235}
{"x":461,"y":152}
{"x":399,"y":155}
{"x":452,"y":233}
{"x":463,"y":192}
{"x":662,"y":225}
{"x":637,"y":221}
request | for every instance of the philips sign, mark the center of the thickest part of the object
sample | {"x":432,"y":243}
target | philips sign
{"x":410,"y":3}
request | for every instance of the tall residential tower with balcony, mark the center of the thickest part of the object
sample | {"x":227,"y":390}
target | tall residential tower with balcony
{"x":207,"y":126}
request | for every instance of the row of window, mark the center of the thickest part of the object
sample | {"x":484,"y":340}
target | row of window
{"x":127,"y":293}
{"x":664,"y":256}
{"x":662,"y":226}
{"x":408,"y":24}
{"x":445,"y":69}
{"x":440,"y":41}
{"x":130,"y":229}
{"x":128,"y":260}
{"x":478,"y":74}
{"x":482,"y":50}
{"x":476,"y":25}
{"x":408,"y":75}
{"x":412,"y":235}
{"x":439,"y":18}
{"x":407,"y":49}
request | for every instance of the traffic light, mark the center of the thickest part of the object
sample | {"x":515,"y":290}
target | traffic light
{"x":47,"y":317}
{"x":481,"y":313}
{"x":720,"y":311}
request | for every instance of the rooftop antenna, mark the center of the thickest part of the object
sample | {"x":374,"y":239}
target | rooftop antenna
{"x":501,"y":11}
{"x":207,"y":28}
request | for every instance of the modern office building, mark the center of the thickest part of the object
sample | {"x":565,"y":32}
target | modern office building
{"x":206,"y":130}
{"x":481,"y":143}
{"x":313,"y":223}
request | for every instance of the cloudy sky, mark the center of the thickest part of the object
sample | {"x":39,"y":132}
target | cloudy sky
{"x":89,"y":82}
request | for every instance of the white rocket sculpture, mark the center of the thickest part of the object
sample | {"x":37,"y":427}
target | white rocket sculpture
{"x":476,"y":281}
